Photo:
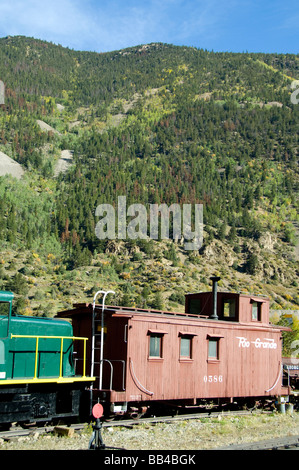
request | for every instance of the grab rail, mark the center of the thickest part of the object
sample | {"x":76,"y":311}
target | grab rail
{"x":73,"y":338}
{"x":112,"y":371}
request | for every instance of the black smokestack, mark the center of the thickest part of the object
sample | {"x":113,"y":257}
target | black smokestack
{"x":214,"y":315}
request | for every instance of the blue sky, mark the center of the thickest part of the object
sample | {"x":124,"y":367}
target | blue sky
{"x":102,"y":25}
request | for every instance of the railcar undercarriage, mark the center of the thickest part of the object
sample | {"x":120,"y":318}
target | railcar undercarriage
{"x":176,"y":407}
{"x":29,"y":403}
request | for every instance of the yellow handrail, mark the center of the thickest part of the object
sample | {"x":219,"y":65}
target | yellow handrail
{"x":37,"y":337}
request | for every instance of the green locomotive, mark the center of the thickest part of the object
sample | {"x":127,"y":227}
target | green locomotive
{"x":38,"y":381}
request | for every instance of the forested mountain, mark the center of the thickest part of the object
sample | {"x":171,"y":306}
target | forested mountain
{"x":159,"y":124}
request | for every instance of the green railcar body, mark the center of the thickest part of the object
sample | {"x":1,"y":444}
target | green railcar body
{"x":19,"y":357}
{"x":38,"y":380}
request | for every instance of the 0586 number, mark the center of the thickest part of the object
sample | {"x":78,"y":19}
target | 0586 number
{"x":213,"y":378}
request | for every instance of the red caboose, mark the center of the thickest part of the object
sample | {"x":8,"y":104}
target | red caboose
{"x":222,"y":349}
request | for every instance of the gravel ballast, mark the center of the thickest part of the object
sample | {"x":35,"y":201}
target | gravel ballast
{"x":196,"y":434}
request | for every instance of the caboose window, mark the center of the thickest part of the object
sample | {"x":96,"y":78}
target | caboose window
{"x":156,"y":339}
{"x":186,"y":343}
{"x":256,"y":311}
{"x":194,"y":306}
{"x":213,"y":348}
{"x":229,"y":308}
{"x":155,"y":345}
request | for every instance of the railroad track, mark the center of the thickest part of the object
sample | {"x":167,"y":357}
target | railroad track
{"x":283,"y":443}
{"x":181,"y":417}
{"x":17,"y":431}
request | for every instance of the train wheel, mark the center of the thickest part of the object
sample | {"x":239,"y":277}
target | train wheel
{"x":28,"y":424}
{"x":251,"y":405}
{"x":137,"y":413}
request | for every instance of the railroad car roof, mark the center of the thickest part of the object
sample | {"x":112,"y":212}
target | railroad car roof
{"x":129,"y":312}
{"x":84,"y":307}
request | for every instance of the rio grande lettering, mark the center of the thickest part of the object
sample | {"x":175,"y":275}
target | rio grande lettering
{"x":266,"y":343}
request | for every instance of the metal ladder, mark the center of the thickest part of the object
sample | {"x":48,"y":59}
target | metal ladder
{"x":95,"y":334}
